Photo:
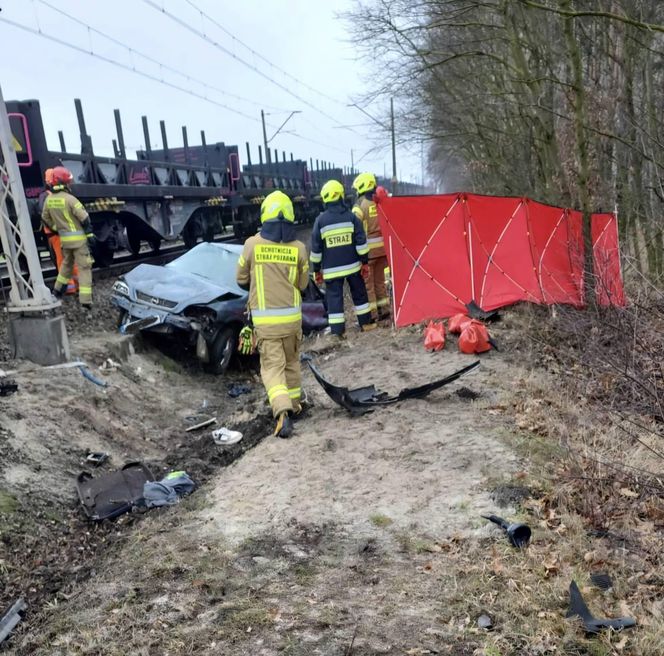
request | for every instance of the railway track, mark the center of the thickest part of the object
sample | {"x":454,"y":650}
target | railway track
{"x":120,"y":264}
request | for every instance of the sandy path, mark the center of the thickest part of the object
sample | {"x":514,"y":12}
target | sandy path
{"x":419,"y":464}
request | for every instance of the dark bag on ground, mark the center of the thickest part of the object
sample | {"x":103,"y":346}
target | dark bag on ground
{"x":114,"y":494}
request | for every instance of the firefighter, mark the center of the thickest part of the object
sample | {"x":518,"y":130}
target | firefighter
{"x":274,"y":268}
{"x":65,"y":215}
{"x":52,"y":237}
{"x":365,"y":210}
{"x":339,"y":253}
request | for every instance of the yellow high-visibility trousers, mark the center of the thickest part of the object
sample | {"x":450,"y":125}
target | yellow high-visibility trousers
{"x":79,"y":255}
{"x":280,"y":371}
{"x":379,"y":302}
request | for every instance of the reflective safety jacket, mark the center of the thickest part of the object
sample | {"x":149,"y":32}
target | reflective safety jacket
{"x":65,"y":214}
{"x":367,"y":212}
{"x":338,"y":243}
{"x":274,"y":271}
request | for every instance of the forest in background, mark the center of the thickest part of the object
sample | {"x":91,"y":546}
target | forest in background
{"x":558,"y":100}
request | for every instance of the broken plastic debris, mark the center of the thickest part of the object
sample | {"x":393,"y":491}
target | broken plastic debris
{"x":11,"y":618}
{"x":485,"y":622}
{"x":97,"y":458}
{"x":578,"y":607}
{"x":601,"y":581}
{"x":8,"y":387}
{"x":365,"y":399}
{"x":201,"y":424}
{"x":236,"y":389}
{"x":476,"y":312}
{"x":517,"y":534}
{"x":225,"y":436}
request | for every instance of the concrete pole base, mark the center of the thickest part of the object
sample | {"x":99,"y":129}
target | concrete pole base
{"x":39,"y":337}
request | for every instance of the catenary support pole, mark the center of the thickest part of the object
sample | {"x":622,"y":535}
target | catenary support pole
{"x":394,"y":149}
{"x":267,"y":150}
{"x":36,"y":331}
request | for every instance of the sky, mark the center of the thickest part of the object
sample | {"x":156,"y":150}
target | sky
{"x":229,"y":60}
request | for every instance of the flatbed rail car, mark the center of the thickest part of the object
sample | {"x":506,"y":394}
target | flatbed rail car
{"x":159,"y":196}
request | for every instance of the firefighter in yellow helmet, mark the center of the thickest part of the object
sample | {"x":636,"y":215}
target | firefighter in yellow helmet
{"x":365,"y":210}
{"x":339,"y":254}
{"x":65,"y":215}
{"x":274,"y":268}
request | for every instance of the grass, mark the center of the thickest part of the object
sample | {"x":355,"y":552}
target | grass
{"x":9,"y":504}
{"x":380,"y":520}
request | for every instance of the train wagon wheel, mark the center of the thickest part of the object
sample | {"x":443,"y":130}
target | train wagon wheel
{"x":134,"y":241}
{"x":103,"y":254}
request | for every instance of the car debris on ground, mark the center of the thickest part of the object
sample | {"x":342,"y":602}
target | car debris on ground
{"x":365,"y":399}
{"x":517,"y":534}
{"x":591,"y":624}
{"x":11,"y":618}
{"x":237,"y":389}
{"x":201,"y":424}
{"x":8,"y":387}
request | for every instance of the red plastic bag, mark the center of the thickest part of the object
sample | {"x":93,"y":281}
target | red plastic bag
{"x":474,"y":338}
{"x":457,"y":323}
{"x":434,"y":336}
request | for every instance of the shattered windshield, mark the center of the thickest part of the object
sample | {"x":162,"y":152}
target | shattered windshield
{"x":214,"y":262}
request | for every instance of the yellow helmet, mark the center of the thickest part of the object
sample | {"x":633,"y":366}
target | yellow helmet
{"x":277,"y":205}
{"x":332,"y":191}
{"x":364,"y":182}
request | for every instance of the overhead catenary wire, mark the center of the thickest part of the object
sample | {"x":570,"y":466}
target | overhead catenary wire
{"x":133,"y":51}
{"x":126,"y":67}
{"x":183,"y":23}
{"x":258,"y":55}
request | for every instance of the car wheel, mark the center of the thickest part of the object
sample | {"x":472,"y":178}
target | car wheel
{"x":222,"y":351}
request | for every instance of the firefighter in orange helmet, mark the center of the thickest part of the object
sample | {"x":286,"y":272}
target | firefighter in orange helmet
{"x":365,"y":210}
{"x":52,"y":237}
{"x":274,"y":268}
{"x":64,"y":214}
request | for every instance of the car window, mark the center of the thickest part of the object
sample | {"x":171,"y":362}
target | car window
{"x":214,"y":262}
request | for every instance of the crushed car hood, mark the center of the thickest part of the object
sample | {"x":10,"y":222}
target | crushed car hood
{"x":176,"y":286}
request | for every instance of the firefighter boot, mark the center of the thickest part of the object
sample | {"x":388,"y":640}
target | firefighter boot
{"x":284,"y":427}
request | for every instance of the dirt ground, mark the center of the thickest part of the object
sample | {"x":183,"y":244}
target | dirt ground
{"x":358,"y":536}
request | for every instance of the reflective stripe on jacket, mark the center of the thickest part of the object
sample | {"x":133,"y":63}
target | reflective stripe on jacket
{"x":367,"y":212}
{"x":275,"y":273}
{"x":65,"y":214}
{"x":338,"y":243}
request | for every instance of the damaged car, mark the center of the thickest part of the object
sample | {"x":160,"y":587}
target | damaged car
{"x":196,"y":300}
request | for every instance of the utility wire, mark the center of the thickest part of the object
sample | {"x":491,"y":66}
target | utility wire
{"x":259,"y":56}
{"x":161,"y":65}
{"x":126,"y":67}
{"x":154,"y":78}
{"x":244,"y":62}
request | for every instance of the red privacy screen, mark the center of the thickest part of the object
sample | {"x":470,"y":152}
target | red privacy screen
{"x":449,"y":249}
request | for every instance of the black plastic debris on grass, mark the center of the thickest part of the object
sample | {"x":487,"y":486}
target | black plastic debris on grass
{"x":579,"y":608}
{"x":517,"y":534}
{"x":361,"y":400}
{"x":476,"y":312}
{"x":601,"y":581}
{"x":11,"y":618}
{"x":8,"y":386}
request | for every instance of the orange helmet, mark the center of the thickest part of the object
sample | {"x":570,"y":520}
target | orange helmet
{"x":48,"y":177}
{"x":62,"y":176}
